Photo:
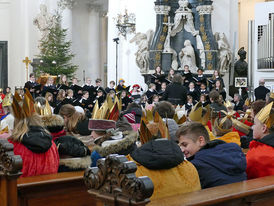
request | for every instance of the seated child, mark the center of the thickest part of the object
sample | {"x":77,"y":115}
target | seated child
{"x":217,"y":162}
{"x":162,"y":161}
{"x":32,"y":141}
{"x":261,"y":150}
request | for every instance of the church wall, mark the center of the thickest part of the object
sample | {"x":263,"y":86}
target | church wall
{"x":261,"y":18}
{"x":145,"y":20}
{"x":246,"y":12}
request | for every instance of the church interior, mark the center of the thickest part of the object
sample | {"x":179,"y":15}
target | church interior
{"x":136,"y":102}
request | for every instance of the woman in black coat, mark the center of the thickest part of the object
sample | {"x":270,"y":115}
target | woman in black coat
{"x":175,"y":92}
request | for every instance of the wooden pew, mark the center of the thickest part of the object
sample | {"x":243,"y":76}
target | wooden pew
{"x":66,"y":188}
{"x":114,"y":182}
{"x":255,"y":192}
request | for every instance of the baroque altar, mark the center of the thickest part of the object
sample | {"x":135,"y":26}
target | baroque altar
{"x":183,"y":36}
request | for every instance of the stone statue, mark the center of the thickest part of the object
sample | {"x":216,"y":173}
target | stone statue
{"x":167,"y":48}
{"x":225,"y":54}
{"x":183,"y":19}
{"x":187,"y":57}
{"x":143,"y":42}
{"x":44,"y":21}
{"x":174,"y":63}
{"x":241,"y":66}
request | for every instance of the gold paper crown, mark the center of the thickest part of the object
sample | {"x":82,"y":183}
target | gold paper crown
{"x":227,"y":104}
{"x":196,"y":114}
{"x":108,"y":110}
{"x":247,"y":102}
{"x":237,"y":124}
{"x":25,"y":109}
{"x":152,"y":129}
{"x":43,"y":110}
{"x":265,"y":115}
{"x":179,"y":110}
{"x":7,"y":101}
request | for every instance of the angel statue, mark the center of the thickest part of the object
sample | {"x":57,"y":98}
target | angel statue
{"x":225,"y":54}
{"x":187,"y":57}
{"x":44,"y":21}
{"x":143,"y":42}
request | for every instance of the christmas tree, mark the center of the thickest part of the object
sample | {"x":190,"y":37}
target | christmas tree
{"x":55,"y":56}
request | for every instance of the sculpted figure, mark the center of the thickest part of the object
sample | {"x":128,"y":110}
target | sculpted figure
{"x":183,"y":19}
{"x":142,"y":55}
{"x":225,"y":55}
{"x":44,"y":21}
{"x":241,"y":66}
{"x":187,"y":56}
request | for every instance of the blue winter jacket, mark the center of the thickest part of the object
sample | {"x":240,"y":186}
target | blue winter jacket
{"x":220,"y":163}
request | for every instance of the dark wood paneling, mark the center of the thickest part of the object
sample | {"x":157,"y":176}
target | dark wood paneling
{"x":3,"y":64}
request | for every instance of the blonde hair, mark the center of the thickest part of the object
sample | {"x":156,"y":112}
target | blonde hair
{"x":61,"y":79}
{"x":48,"y":94}
{"x":73,"y":117}
{"x":60,"y":96}
{"x":21,"y":126}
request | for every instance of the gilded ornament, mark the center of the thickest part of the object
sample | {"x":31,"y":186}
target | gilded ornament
{"x":209,"y":66}
{"x":202,"y":19}
{"x":209,"y":56}
{"x":207,"y":46}
{"x":162,"y":38}
{"x":159,"y":46}
{"x":204,"y":37}
{"x":165,"y":29}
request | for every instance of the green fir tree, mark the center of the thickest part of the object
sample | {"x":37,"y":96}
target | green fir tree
{"x":56,"y":54}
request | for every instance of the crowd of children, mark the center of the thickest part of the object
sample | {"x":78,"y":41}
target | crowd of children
{"x":181,"y":129}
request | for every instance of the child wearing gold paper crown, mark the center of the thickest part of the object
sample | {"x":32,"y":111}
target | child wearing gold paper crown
{"x":31,"y":141}
{"x":261,"y":153}
{"x":161,"y":160}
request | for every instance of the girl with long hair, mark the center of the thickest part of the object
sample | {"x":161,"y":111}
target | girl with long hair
{"x":34,"y":144}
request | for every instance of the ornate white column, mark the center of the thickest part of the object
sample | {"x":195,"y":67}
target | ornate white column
{"x":67,"y":6}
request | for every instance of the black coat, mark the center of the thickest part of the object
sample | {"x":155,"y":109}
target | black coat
{"x":260,"y":92}
{"x":195,"y":95}
{"x":238,"y":106}
{"x":37,"y":139}
{"x":158,"y":154}
{"x":82,"y":127}
{"x":71,"y":146}
{"x":176,"y":93}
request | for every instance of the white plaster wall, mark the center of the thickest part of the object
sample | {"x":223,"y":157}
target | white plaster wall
{"x":16,"y":23}
{"x":261,"y":18}
{"x":145,"y":20}
{"x":225,"y":18}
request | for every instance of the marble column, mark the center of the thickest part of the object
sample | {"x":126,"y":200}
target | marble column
{"x":67,"y":22}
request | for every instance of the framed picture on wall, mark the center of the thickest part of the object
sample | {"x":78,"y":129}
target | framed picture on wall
{"x":240,"y":82}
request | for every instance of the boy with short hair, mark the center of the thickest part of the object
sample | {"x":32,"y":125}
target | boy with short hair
{"x":261,"y":150}
{"x":217,"y":162}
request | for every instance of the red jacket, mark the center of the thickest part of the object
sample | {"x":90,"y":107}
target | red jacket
{"x":37,"y":163}
{"x":260,"y":157}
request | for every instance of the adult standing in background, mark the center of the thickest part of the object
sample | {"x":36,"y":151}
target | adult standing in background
{"x":261,"y":90}
{"x":175,"y":92}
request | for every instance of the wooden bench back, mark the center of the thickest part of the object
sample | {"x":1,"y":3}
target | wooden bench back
{"x":251,"y":192}
{"x":114,"y":183}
